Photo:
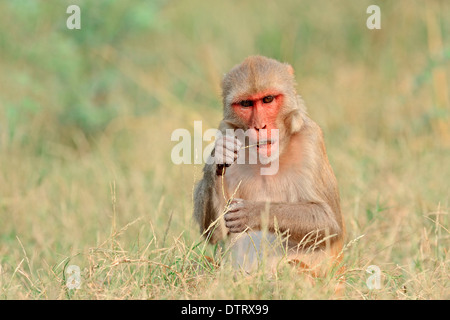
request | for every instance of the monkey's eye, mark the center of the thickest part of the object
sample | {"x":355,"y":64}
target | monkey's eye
{"x":246,"y":103}
{"x":268,"y":99}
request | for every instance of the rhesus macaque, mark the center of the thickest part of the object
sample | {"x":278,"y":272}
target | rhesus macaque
{"x":298,"y":199}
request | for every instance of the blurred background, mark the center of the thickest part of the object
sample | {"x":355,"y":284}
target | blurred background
{"x":86,"y":118}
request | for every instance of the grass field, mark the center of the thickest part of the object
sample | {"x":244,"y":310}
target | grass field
{"x":86,"y":117}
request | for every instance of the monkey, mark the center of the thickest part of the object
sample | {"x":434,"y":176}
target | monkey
{"x":299,"y":199}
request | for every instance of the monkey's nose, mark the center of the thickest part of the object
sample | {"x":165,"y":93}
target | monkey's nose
{"x":264,"y":127}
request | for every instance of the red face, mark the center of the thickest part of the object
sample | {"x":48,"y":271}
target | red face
{"x":260,"y":112}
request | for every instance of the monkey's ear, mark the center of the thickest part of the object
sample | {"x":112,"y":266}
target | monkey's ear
{"x":290,"y":69}
{"x":295,"y":117}
{"x":296,"y":121}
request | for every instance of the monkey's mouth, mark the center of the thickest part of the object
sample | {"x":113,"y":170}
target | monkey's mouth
{"x":266,"y":147}
{"x":263,"y":143}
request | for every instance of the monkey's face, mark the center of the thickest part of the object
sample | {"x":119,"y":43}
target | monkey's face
{"x":259,"y":112}
{"x":259,"y":96}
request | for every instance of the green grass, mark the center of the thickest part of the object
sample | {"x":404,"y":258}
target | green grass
{"x":85,"y":123}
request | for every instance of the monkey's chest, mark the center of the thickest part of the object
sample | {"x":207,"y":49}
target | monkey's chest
{"x":247,"y":184}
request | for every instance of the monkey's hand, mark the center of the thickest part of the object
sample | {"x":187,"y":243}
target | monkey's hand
{"x":241,"y":215}
{"x":226,"y":151}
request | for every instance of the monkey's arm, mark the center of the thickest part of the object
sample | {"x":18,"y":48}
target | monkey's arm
{"x":208,"y":202}
{"x":207,"y":205}
{"x":314,"y":219}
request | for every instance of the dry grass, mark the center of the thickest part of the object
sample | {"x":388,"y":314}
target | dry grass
{"x":85,"y":123}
